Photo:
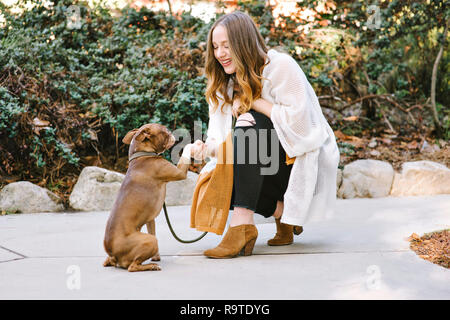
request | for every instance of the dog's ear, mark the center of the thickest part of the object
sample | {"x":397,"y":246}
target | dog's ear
{"x":129,"y":136}
{"x":141,"y":136}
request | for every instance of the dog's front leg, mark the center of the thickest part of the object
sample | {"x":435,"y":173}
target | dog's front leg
{"x":151,"y":229}
{"x":180,"y":171}
{"x":168,"y":172}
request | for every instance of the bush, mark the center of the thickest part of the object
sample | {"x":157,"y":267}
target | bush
{"x":70,"y":93}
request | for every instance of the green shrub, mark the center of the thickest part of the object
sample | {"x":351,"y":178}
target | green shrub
{"x":94,"y":83}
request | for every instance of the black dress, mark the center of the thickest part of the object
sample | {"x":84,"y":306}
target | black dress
{"x":260,"y":174}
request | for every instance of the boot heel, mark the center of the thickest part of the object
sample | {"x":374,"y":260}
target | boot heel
{"x":248,"y":248}
{"x":298,"y":230}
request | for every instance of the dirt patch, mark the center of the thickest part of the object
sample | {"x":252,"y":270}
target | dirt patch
{"x":433,"y":247}
{"x":393,"y":149}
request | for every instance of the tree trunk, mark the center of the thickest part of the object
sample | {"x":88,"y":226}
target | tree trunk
{"x":437,"y":123}
{"x":170,"y":7}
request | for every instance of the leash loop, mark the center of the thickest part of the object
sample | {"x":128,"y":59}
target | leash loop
{"x":173,"y":232}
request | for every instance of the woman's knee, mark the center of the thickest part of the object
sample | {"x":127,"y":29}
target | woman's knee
{"x":245,"y":120}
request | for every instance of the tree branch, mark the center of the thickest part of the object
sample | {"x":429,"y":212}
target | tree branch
{"x":437,"y":123}
{"x":170,"y":7}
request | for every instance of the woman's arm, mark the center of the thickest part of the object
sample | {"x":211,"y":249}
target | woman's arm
{"x":213,"y":134}
{"x":263,"y":106}
{"x":295,"y":114}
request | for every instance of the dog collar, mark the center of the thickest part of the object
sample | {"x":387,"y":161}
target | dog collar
{"x":143,"y":154}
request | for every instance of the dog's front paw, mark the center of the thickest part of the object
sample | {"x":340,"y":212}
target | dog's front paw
{"x":156,"y":257}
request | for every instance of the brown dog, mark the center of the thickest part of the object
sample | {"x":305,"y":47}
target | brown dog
{"x":140,"y":199}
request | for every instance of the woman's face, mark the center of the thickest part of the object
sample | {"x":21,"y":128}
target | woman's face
{"x":222,"y":49}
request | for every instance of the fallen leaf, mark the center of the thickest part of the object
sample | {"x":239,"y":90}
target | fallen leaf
{"x":414,"y":236}
{"x":413,"y":145}
{"x":40,"y":123}
{"x":340,"y":135}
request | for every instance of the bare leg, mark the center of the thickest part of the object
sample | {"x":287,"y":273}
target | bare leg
{"x":241,"y":216}
{"x":279,"y":210}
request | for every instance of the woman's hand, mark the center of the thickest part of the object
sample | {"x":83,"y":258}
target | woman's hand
{"x":198,"y":151}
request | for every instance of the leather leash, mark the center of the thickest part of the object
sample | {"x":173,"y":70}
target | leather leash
{"x":173,"y":232}
{"x":154,"y":154}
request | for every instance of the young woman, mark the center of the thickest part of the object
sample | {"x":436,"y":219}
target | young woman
{"x":276,"y":113}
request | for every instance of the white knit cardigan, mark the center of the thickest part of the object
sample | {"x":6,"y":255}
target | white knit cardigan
{"x":304,"y":134}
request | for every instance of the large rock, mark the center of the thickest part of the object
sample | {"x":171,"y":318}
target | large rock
{"x":421,"y":178}
{"x":26,"y":197}
{"x":366,"y":179}
{"x":338,"y":178}
{"x":96,"y":189}
{"x":179,"y":193}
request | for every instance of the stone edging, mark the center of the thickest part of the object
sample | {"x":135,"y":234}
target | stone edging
{"x":96,"y":188}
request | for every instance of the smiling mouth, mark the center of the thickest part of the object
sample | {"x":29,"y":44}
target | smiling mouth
{"x":226,"y":63}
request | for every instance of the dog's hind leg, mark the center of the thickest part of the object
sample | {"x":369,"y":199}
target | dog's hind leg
{"x":109,"y":262}
{"x":134,"y":266}
{"x":151,"y":230}
{"x":145,"y":246}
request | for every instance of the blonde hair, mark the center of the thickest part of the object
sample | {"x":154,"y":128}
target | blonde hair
{"x":249,"y":54}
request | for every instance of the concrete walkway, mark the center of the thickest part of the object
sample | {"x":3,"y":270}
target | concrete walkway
{"x":360,"y":254}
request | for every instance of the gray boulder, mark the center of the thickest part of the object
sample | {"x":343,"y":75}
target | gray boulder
{"x":338,"y":178}
{"x":26,"y":197}
{"x":421,"y":178}
{"x":96,"y":189}
{"x":366,"y":179}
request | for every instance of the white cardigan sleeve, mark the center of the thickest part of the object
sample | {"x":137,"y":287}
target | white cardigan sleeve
{"x":213,"y":133}
{"x":219,"y":123}
{"x":294,"y":117}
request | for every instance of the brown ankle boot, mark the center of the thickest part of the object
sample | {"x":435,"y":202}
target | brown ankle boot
{"x":238,"y":239}
{"x":285,"y":234}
